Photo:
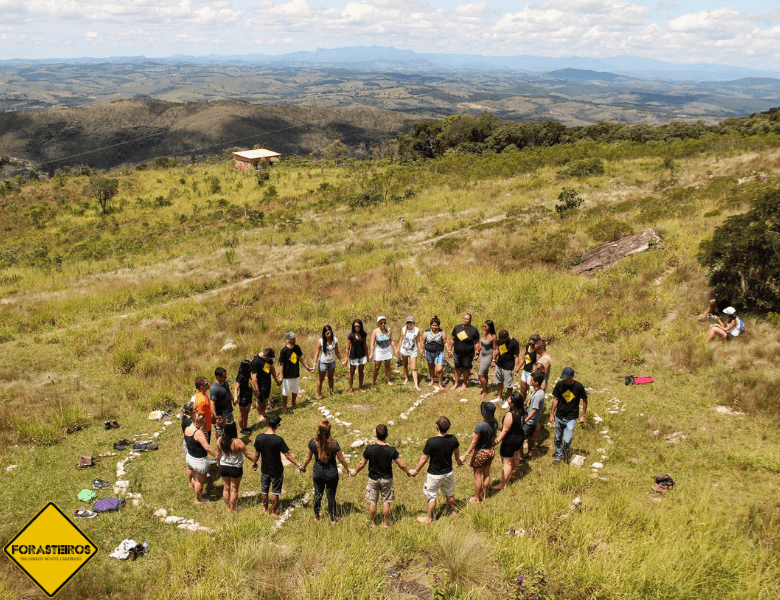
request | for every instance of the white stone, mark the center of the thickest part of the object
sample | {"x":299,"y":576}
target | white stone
{"x":464,"y":399}
{"x":404,"y":417}
{"x":604,"y":432}
{"x":597,"y":419}
{"x":597,"y":465}
{"x":136,"y":502}
{"x":168,"y":423}
{"x":10,"y":468}
{"x":193,"y":527}
{"x":391,"y":422}
{"x":577,"y":501}
{"x":357,"y":444}
{"x":578,"y":461}
{"x":156,"y":434}
{"x":173,"y":519}
{"x":160,"y":512}
{"x":229,"y":346}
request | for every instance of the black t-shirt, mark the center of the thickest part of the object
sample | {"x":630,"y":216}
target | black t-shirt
{"x":290,"y":359}
{"x":262,"y":368}
{"x":380,"y":461}
{"x":465,"y":339}
{"x":440,"y":449}
{"x":507,"y":351}
{"x":528,"y":360}
{"x":271,"y":447}
{"x":327,"y":469}
{"x":569,"y":397}
{"x":357,"y":347}
{"x":486,"y":430}
{"x":222,"y":398}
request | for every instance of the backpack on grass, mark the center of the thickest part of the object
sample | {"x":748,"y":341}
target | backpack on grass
{"x":109,"y":505}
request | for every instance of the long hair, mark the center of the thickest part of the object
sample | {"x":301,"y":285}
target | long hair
{"x":229,"y":433}
{"x":361,"y":331}
{"x":324,"y":339}
{"x":518,"y":406}
{"x":491,"y":327}
{"x":323,"y":441}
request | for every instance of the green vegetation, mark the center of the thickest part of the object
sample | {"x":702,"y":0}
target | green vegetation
{"x":108,"y":316}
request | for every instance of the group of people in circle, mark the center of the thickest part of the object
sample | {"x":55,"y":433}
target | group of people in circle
{"x":213,"y":405}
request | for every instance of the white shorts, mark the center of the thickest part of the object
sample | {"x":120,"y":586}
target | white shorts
{"x":198,"y":465}
{"x":291,"y":386}
{"x":435,"y":483}
{"x":381,"y":354}
{"x":409,"y":352}
{"x":356,"y":362}
{"x":525,"y":377}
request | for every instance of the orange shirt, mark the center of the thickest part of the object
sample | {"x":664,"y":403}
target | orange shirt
{"x":203,"y":406}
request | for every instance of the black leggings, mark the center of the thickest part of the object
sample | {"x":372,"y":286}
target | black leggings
{"x":328,"y":484}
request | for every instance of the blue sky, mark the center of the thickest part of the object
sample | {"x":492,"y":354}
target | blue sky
{"x":743,"y":33}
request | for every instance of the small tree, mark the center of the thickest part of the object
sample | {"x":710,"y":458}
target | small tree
{"x":743,"y":256}
{"x":570,"y":200}
{"x":103,"y":190}
{"x":336,"y":151}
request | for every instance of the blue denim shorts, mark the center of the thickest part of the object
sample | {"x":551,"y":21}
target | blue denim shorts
{"x":437,"y":358}
{"x":327,"y":366}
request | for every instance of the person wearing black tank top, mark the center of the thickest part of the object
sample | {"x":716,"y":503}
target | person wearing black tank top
{"x":357,"y":354}
{"x":197,"y":450}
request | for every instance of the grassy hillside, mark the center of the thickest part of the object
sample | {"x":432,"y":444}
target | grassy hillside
{"x":108,"y":316}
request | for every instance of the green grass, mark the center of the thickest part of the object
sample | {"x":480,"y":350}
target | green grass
{"x":142,"y":300}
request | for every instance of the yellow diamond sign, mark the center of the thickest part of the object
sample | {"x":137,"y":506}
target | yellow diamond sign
{"x":50,"y":549}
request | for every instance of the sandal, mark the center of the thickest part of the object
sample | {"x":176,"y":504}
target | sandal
{"x":114,"y":425}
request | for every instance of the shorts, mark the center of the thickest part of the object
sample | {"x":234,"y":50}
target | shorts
{"x":482,"y":458}
{"x":356,"y":362}
{"x":198,"y":465}
{"x":245,"y":401}
{"x":264,"y":395}
{"x":409,"y":351}
{"x":234,"y":472}
{"x":504,"y":376}
{"x":463,"y":361}
{"x":730,"y":336}
{"x":291,"y":386}
{"x":509,"y":447}
{"x":377,"y":488}
{"x":529,"y":428}
{"x":525,"y":377}
{"x":270,"y":482}
{"x":381,"y":354}
{"x":434,"y":483}
{"x":436,"y":358}
{"x":322,"y":366}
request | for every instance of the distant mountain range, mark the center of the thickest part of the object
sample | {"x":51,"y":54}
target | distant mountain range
{"x":382,"y":57}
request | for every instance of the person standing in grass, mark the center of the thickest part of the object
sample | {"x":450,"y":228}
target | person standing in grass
{"x":357,"y":354}
{"x":543,"y":358}
{"x":441,"y":477}
{"x":461,"y":347}
{"x":567,"y":395}
{"x":487,"y":355}
{"x":325,"y":358}
{"x":382,"y":348}
{"x":203,"y":404}
{"x":511,"y":439}
{"x":408,"y":350}
{"x":325,"y":451}
{"x":433,"y":345}
{"x":243,"y":393}
{"x":270,"y":447}
{"x":507,"y":364}
{"x":482,"y":443}
{"x":198,"y":449}
{"x":529,"y":358}
{"x":222,"y":400}
{"x":534,"y":412}
{"x":230,"y":457}
{"x":289,"y":358}
{"x":263,"y":371}
{"x":380,"y":457}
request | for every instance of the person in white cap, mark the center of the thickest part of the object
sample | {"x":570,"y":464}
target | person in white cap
{"x":728,"y":330}
{"x":382,"y":348}
{"x":408,"y":348}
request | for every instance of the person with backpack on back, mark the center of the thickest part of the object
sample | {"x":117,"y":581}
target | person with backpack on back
{"x":729,"y":330}
{"x":242,"y":391}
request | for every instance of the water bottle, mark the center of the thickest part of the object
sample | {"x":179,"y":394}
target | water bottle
{"x":146,"y":547}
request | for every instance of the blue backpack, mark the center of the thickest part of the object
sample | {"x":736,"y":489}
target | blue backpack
{"x":109,"y":505}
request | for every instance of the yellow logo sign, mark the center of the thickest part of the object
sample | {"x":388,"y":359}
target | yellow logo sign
{"x":50,"y":549}
{"x":568,"y":396}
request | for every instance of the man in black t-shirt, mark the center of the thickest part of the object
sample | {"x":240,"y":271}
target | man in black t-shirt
{"x":567,"y":394}
{"x":222,"y":401}
{"x":380,"y":459}
{"x":271,"y":447}
{"x":461,"y":347}
{"x":263,"y":371}
{"x":440,"y":450}
{"x":291,"y":359}
{"x":507,"y":363}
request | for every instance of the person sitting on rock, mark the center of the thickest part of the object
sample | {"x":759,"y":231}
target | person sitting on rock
{"x":729,"y":330}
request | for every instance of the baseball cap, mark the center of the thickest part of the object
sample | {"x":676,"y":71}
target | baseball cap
{"x":568,"y":373}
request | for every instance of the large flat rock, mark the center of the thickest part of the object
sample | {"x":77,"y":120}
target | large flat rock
{"x":610,"y":253}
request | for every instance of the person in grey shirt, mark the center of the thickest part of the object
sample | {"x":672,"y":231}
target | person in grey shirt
{"x":534,"y":412}
{"x":222,"y":401}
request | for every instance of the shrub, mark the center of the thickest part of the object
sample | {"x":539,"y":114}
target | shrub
{"x":214,"y":186}
{"x":743,"y":256}
{"x":263,"y":175}
{"x":584,"y":167}
{"x":365,"y":198}
{"x":448,"y":245}
{"x":570,"y":200}
{"x":609,"y":229}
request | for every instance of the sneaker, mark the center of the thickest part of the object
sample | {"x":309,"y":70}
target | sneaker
{"x":505,"y":404}
{"x":246,"y":432}
{"x":101,"y":484}
{"x":83,"y":513}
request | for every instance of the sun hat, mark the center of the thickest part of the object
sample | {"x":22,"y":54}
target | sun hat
{"x":568,"y":373}
{"x":729,"y":310}
{"x":488,"y":410}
